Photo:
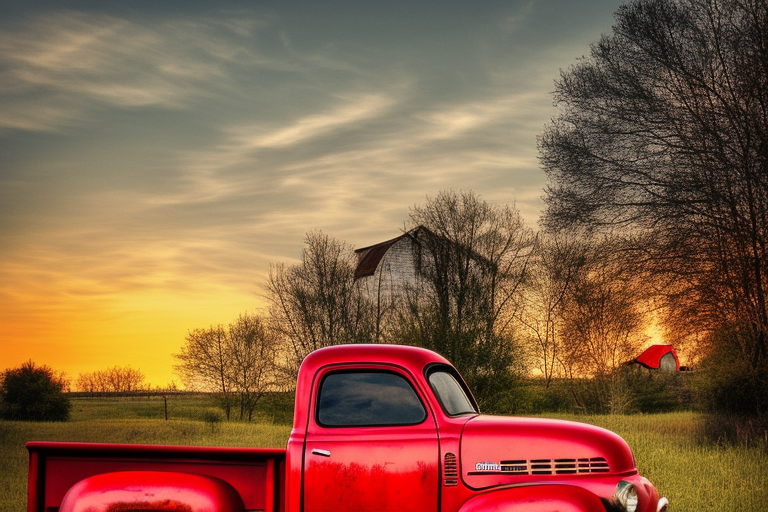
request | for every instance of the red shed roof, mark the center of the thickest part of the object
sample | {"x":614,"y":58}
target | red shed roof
{"x":651,"y":358}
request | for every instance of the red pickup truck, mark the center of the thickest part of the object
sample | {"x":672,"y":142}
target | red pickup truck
{"x":376,"y":428}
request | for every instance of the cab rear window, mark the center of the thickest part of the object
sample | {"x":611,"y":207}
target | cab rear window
{"x":360,"y":399}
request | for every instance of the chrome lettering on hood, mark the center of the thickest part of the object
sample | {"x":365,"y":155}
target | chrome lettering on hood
{"x":487,"y":466}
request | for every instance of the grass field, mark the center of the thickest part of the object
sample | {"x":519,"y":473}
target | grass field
{"x":695,"y":477}
{"x":692,"y":475}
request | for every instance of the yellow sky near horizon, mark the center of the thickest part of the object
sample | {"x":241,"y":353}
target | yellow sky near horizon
{"x":140,"y":330}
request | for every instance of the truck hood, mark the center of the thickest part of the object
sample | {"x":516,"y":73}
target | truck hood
{"x":500,"y":451}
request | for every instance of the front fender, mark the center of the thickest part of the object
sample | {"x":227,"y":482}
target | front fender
{"x":536,"y":498}
{"x":151,"y":490}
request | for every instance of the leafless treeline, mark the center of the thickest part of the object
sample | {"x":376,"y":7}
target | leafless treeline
{"x":112,"y":380}
{"x":475,"y":288}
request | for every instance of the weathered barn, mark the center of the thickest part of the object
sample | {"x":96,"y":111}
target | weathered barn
{"x":388,"y":267}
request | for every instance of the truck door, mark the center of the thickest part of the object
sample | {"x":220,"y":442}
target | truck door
{"x":371,"y":445}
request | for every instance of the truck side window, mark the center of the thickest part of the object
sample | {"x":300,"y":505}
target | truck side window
{"x":367,"y":399}
{"x":450,"y":394}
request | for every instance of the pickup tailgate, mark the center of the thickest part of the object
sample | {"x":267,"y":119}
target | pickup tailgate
{"x":256,"y":474}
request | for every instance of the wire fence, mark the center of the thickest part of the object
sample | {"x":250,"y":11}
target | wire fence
{"x":175,"y":405}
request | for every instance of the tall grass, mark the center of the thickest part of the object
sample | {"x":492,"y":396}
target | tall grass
{"x":694,"y":476}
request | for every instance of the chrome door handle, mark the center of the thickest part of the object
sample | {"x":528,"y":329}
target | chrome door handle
{"x":322,"y":453}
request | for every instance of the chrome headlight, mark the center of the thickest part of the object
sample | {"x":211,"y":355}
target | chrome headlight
{"x":626,"y":496}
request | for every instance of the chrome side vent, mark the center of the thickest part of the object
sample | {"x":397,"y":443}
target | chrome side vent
{"x":554,"y":466}
{"x":450,"y":470}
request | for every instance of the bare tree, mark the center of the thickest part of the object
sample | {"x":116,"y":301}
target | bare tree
{"x":471,"y":259}
{"x":663,"y":134}
{"x":603,"y":327}
{"x":559,"y":260}
{"x":125,"y":379}
{"x":205,"y":363}
{"x":85,"y":383}
{"x":317,"y":303}
{"x":254,"y":349}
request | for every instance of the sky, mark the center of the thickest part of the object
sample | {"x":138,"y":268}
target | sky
{"x":157,"y":157}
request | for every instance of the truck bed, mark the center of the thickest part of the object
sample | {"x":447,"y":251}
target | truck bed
{"x":256,"y":474}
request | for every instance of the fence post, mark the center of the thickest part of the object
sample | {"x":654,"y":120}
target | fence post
{"x":165,"y":405}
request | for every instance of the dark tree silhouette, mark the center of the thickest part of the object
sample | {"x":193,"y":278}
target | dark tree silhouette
{"x":663,"y":136}
{"x":33,"y":393}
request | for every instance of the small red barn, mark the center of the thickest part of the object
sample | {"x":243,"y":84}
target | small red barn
{"x":659,"y":357}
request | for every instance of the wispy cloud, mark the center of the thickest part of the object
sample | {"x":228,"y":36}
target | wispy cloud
{"x":56,"y":68}
{"x":458,"y":121}
{"x":351,"y":111}
{"x":519,"y":17}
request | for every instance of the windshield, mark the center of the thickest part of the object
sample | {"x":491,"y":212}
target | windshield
{"x":450,"y":394}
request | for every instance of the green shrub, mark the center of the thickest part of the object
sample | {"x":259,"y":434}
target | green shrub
{"x":534,"y":396}
{"x":213,"y":419}
{"x":727,"y":382}
{"x":654,"y":391}
{"x":731,"y":386}
{"x":33,"y":393}
{"x":735,"y":430}
{"x":276,"y":408}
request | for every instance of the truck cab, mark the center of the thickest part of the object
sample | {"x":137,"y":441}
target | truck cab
{"x":388,"y":428}
{"x":376,"y":428}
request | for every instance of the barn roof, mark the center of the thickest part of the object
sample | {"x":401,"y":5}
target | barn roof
{"x":651,"y":358}
{"x":368,"y":258}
